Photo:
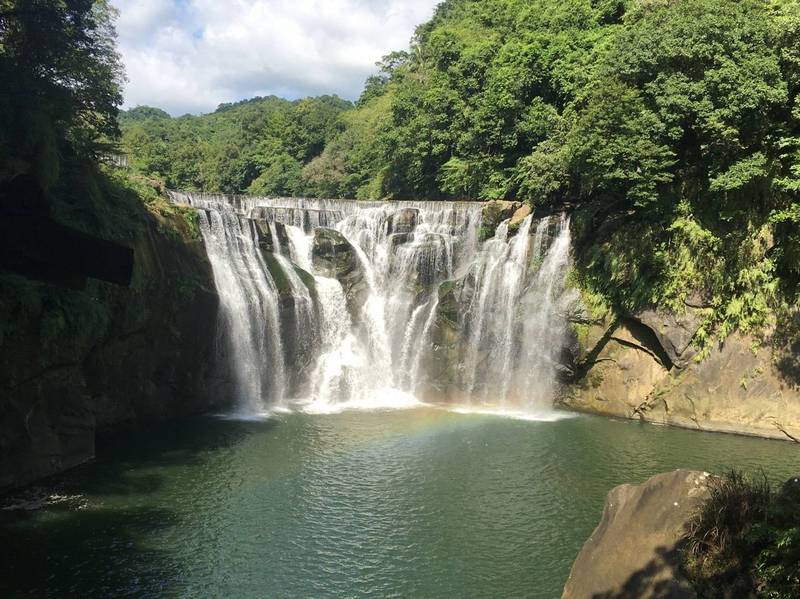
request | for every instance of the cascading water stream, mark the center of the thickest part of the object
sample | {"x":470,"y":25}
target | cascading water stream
{"x":248,"y":308}
{"x":544,"y":326}
{"x":362,"y":321}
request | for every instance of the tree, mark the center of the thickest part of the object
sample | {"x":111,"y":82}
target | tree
{"x":61,"y":83}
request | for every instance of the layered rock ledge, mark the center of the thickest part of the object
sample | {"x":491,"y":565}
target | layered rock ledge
{"x":644,"y":366}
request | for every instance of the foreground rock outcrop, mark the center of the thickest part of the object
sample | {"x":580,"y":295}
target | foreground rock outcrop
{"x":634,"y":553}
{"x":78,"y":363}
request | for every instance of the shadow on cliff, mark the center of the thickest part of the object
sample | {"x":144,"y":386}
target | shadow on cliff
{"x":659,"y":579}
{"x":786,"y":346}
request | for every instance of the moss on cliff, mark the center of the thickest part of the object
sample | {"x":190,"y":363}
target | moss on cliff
{"x":85,"y":360}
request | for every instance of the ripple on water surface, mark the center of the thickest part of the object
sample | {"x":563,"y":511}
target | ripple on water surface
{"x":410,"y":503}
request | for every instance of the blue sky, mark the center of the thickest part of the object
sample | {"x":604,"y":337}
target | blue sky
{"x":191,"y":55}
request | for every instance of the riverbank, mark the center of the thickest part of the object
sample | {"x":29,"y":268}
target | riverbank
{"x":650,"y":367}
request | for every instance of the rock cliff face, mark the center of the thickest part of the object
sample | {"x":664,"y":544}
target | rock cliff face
{"x":644,"y":366}
{"x":635,"y":550}
{"x":449,"y":343}
{"x":335,"y":257}
{"x":75,"y":364}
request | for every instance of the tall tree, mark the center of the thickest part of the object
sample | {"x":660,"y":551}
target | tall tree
{"x":61,"y":83}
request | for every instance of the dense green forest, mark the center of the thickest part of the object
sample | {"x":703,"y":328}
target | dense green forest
{"x":256,"y":146}
{"x":59,"y":117}
{"x":674,"y":122}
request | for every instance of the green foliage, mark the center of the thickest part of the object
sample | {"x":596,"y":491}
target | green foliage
{"x":61,"y":84}
{"x":142,"y":113}
{"x":745,"y":540}
{"x":686,"y":133}
{"x":258,"y":145}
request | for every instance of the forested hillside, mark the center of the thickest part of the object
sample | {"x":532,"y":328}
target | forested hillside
{"x":675,"y":123}
{"x":254,"y":146}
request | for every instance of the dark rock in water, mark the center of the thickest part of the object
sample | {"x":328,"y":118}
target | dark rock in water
{"x":420,"y":264}
{"x":277,"y":243}
{"x":442,"y":377}
{"x":333,"y":256}
{"x":308,"y":281}
{"x":298,"y":315}
{"x":403,"y":221}
{"x":397,"y":239}
{"x":279,"y":277}
{"x":635,"y":550}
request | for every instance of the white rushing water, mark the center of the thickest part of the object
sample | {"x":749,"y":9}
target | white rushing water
{"x":368,"y":339}
{"x":248,"y":308}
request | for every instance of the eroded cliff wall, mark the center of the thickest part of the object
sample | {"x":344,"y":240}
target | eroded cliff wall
{"x":78,"y":363}
{"x":648,"y":366}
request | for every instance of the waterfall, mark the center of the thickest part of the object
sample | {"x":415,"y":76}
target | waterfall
{"x":338,"y":303}
{"x":248,"y":308}
{"x":544,"y":324}
{"x":335,"y":375}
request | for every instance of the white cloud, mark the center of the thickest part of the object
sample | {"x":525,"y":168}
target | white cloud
{"x":190,"y":55}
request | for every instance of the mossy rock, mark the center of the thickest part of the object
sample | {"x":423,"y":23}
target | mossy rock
{"x":495,"y":212}
{"x":335,"y":257}
{"x":277,"y":273}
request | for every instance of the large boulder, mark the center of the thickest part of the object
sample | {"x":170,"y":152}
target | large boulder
{"x":335,"y":257}
{"x":635,"y":550}
{"x":674,"y":332}
{"x":520,"y":215}
{"x":495,"y":212}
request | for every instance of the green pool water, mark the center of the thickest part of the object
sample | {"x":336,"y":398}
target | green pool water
{"x":414,"y":503}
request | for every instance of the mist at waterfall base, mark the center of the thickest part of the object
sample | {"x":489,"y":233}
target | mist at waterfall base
{"x":303,"y":331}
